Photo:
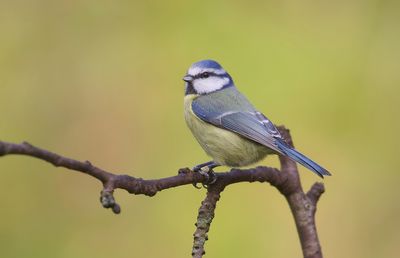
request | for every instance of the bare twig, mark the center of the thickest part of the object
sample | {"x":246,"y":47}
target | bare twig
{"x":303,"y":206}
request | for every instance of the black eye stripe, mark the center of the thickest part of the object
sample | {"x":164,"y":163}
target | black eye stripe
{"x":208,"y":74}
{"x":205,"y":75}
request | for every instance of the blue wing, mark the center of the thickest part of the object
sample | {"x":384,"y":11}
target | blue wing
{"x":232,"y":111}
{"x":248,"y":125}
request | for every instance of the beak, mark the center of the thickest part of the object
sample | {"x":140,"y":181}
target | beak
{"x":188,"y":78}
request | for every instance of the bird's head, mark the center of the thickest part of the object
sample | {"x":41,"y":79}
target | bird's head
{"x":205,"y":77}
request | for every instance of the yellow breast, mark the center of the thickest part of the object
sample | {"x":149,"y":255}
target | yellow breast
{"x":225,"y":147}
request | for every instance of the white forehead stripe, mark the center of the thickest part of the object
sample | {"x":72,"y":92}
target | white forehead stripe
{"x":198,"y":70}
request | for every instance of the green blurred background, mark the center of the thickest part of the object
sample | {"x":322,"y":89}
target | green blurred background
{"x":101,"y":80}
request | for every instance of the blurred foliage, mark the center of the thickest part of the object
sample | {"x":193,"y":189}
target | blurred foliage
{"x":101,"y":80}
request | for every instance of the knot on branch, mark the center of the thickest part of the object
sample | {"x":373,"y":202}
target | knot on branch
{"x":184,"y":171}
{"x":108,"y":201}
{"x":137,"y":185}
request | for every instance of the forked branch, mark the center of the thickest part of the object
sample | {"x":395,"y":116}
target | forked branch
{"x":287,"y":181}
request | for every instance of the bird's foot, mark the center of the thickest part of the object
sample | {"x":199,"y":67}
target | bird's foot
{"x":210,"y":176}
{"x":207,"y":172}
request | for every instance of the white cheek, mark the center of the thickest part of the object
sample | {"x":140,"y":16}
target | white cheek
{"x":210,"y":84}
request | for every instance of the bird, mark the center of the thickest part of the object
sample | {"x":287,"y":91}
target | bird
{"x":227,"y":126}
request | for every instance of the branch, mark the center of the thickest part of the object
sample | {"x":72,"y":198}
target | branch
{"x":287,"y":181}
{"x":303,"y":206}
{"x":109,"y":180}
{"x":132,"y":184}
{"x":204,"y":219}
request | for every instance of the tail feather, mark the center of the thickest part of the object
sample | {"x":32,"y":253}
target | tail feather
{"x":300,"y":158}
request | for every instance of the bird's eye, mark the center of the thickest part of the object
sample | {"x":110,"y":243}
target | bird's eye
{"x":205,"y":75}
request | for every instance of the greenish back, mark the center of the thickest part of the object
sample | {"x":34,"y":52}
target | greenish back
{"x":223,"y":101}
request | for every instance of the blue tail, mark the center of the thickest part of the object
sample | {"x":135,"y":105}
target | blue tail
{"x":300,"y":158}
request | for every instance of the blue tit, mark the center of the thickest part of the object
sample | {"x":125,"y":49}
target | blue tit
{"x":227,"y":126}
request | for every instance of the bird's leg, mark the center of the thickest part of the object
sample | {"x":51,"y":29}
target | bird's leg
{"x":199,"y":167}
{"x":206,"y":170}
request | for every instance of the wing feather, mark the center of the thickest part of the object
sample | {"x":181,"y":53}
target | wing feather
{"x":248,"y":123}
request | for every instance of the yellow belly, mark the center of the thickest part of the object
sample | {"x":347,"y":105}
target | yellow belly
{"x":225,"y":147}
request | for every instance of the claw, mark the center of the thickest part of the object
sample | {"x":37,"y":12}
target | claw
{"x":183,"y":171}
{"x":195,"y":186}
